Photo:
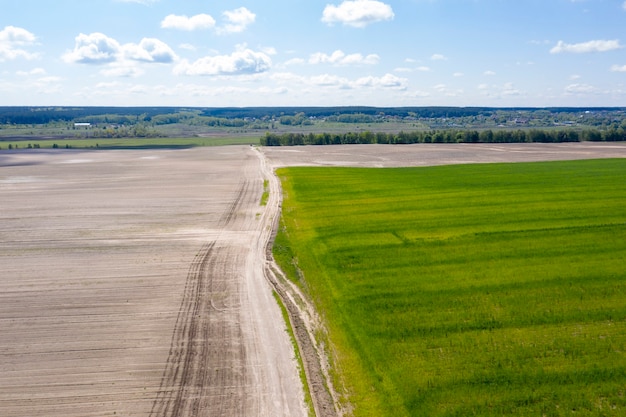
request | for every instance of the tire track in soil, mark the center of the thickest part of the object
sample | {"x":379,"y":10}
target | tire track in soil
{"x":205,"y":372}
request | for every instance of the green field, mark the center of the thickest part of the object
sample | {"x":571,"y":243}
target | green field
{"x":487,"y":290}
{"x":127,"y":143}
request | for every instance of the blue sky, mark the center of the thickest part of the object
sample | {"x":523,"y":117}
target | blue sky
{"x":313,"y":53}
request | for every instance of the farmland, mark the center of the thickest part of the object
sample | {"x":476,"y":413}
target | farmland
{"x":487,"y":289}
{"x":132,"y":284}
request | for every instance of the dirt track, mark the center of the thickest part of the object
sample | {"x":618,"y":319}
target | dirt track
{"x":132,"y":282}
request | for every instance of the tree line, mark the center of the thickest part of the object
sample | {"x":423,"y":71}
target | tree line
{"x":446,"y":136}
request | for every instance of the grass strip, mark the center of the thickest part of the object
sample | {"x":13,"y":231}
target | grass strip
{"x":126,"y":143}
{"x":266,"y":193}
{"x":298,"y":356}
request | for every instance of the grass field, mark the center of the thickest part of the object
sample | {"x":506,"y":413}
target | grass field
{"x":487,"y":290}
{"x":128,"y":143}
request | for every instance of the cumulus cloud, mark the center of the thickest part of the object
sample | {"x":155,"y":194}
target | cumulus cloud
{"x":150,"y":50}
{"x":237,"y":20}
{"x":242,"y":61}
{"x":119,"y":60}
{"x":199,"y":21}
{"x":340,"y":58}
{"x":13,"y":41}
{"x":357,"y":13}
{"x":95,"y":48}
{"x":586,"y":47}
{"x":438,"y":57}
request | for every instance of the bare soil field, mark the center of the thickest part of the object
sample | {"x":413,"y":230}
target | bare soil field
{"x":134,"y":283}
{"x":131,"y":284}
{"x":438,"y":154}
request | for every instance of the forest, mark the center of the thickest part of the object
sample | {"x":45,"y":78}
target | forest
{"x":446,"y":136}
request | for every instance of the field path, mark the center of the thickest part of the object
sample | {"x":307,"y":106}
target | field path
{"x":132,"y":284}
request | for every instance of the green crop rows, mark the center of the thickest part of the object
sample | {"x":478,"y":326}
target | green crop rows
{"x":488,"y":290}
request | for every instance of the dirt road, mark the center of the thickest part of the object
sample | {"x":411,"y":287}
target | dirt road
{"x":132,"y":284}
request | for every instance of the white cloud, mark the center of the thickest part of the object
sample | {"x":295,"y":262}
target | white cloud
{"x":357,"y":13}
{"x":340,"y":58}
{"x":438,"y":57}
{"x":242,"y":61}
{"x":150,"y":50}
{"x":586,"y":47}
{"x":122,"y":69}
{"x":328,"y":80}
{"x":624,"y":5}
{"x":489,"y":73}
{"x":386,"y":81}
{"x":423,"y":68}
{"x":237,"y":20}
{"x":95,"y":48}
{"x":34,"y":71}
{"x":199,"y":21}
{"x":13,"y":41}
{"x":294,"y":61}
{"x":618,"y":68}
{"x":119,"y":60}
{"x":580,"y":89}
{"x":458,"y":74}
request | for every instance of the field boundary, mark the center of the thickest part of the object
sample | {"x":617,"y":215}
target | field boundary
{"x":302,"y":315}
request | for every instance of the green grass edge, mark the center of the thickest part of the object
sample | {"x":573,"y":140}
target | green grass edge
{"x":307,"y":392}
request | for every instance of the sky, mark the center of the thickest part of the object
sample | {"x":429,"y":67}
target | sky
{"x":387,"y":53}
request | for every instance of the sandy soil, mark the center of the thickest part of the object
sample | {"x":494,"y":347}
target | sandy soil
{"x":131,"y":283}
{"x":137,"y":283}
